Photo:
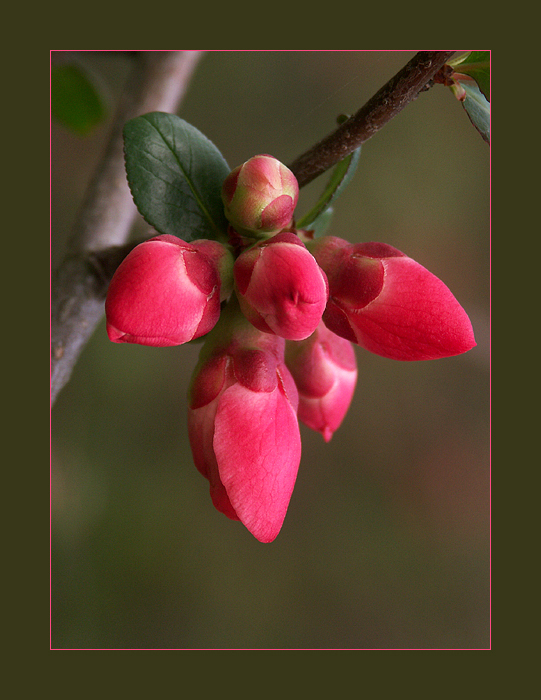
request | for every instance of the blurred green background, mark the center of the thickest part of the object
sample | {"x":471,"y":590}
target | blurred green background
{"x":386,"y":542}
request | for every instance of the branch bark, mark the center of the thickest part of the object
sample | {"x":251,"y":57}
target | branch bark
{"x":381,"y":108}
{"x":157,"y":83}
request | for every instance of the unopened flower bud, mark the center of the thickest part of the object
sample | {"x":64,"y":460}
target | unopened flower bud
{"x":167,"y":291}
{"x":324,"y":368}
{"x":260,"y":196}
{"x":243,"y":426}
{"x":280,"y":287}
{"x":389,"y":304}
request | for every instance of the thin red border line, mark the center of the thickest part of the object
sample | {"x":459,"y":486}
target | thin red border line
{"x":490,"y":384}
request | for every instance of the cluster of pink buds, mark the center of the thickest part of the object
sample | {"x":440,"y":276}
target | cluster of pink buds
{"x":279,"y":313}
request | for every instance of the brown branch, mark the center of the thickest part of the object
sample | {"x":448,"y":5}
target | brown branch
{"x":157,"y":83}
{"x":381,"y":108}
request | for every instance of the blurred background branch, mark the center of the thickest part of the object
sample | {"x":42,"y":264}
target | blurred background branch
{"x":158,"y":82}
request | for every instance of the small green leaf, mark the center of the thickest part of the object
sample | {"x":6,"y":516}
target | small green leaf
{"x":476,"y":106}
{"x":340,"y":178}
{"x":175,"y":175}
{"x":320,"y":225}
{"x":475,"y":64}
{"x":75,"y":102}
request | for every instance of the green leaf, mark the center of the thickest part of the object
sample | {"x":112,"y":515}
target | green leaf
{"x":340,"y":178}
{"x":476,"y":106}
{"x":475,"y":64}
{"x":75,"y":102}
{"x":175,"y":175}
{"x":320,"y":225}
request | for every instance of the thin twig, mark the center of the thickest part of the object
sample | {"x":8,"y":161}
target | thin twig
{"x":381,"y":108}
{"x":158,"y":83}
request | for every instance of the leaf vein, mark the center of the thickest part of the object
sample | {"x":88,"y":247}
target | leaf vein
{"x":196,"y":194}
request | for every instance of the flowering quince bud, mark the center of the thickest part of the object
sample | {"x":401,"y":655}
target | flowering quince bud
{"x":243,"y":426}
{"x":324,"y":368}
{"x":167,"y":292}
{"x":280,"y":287}
{"x":260,"y":195}
{"x":389,"y":304}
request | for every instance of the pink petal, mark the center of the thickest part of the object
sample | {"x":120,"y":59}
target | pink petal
{"x":258,"y":450}
{"x":325,"y":414}
{"x":416,"y":316}
{"x":324,"y":368}
{"x":162,"y":294}
{"x":282,"y":289}
{"x":201,"y":432}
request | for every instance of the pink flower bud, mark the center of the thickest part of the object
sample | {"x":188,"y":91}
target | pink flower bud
{"x":389,"y":304}
{"x":324,"y":368}
{"x":281,"y":288}
{"x":167,"y":291}
{"x":260,"y":195}
{"x":243,"y":428}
